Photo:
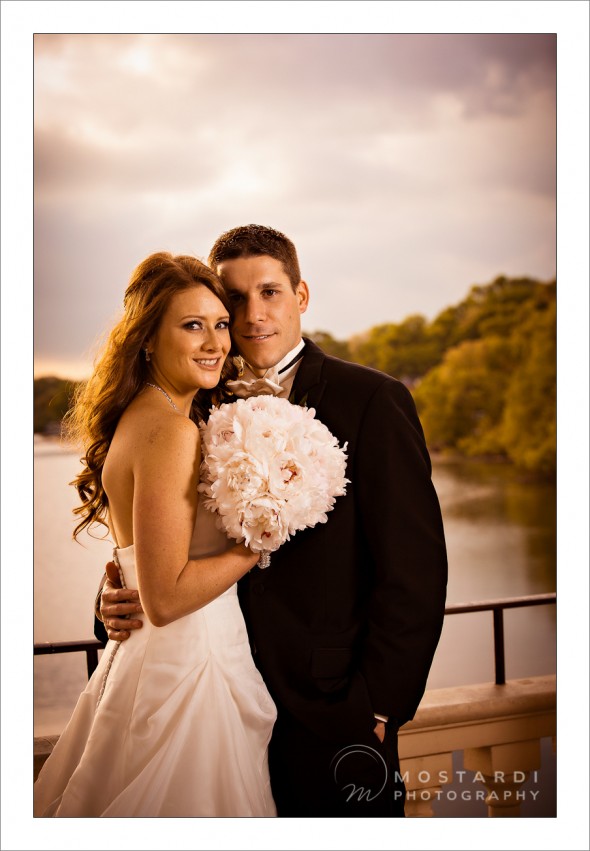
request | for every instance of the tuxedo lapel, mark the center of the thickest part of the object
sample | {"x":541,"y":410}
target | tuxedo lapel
{"x":309,"y":386}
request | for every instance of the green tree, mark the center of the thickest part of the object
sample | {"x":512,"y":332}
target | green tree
{"x":51,"y":399}
{"x":406,"y":350}
{"x":329,"y":345}
{"x":495,"y":393}
{"x":495,"y":308}
{"x":461,"y":401}
{"x":529,"y":419}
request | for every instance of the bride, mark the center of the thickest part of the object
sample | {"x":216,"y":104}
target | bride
{"x":175,"y":722}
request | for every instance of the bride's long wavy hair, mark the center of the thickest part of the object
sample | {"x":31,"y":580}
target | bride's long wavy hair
{"x":121,"y":371}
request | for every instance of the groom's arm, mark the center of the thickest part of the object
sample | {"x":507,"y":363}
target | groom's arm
{"x":99,"y":628}
{"x":113,"y":607}
{"x":401,"y":519}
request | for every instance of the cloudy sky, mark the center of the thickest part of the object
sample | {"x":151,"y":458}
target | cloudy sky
{"x":406,"y":168}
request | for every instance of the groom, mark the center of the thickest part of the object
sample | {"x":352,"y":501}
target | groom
{"x":345,"y":621}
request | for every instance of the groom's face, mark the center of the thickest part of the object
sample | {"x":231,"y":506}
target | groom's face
{"x":267,"y":311}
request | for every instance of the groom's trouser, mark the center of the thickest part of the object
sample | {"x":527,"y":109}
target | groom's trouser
{"x":314,"y":777}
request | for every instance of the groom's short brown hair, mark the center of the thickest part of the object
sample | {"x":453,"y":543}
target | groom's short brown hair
{"x":254,"y":241}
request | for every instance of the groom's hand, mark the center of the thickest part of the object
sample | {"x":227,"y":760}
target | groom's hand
{"x":116,"y":604}
{"x":379,"y":730}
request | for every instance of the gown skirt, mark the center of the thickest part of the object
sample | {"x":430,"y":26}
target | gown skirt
{"x":174,"y":722}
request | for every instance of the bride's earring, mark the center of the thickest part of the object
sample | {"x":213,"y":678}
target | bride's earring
{"x":147,"y":355}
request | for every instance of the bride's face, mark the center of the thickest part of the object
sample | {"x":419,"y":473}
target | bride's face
{"x":192,"y":341}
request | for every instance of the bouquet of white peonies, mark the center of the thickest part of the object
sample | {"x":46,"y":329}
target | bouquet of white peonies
{"x":269,"y":469}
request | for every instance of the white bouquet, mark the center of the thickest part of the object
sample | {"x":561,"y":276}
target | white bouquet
{"x":269,"y":469}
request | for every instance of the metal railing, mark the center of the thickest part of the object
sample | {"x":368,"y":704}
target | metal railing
{"x":92,"y":646}
{"x":497,"y":608}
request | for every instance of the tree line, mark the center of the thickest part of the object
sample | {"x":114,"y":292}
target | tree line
{"x":482,"y":373}
{"x":51,"y":399}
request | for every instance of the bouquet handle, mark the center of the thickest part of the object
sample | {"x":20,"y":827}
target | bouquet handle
{"x":264,"y":560}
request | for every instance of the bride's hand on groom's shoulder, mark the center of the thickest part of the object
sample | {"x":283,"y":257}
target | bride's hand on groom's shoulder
{"x":117,"y":604}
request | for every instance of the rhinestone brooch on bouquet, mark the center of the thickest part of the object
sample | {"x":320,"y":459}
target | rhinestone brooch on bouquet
{"x":264,"y":560}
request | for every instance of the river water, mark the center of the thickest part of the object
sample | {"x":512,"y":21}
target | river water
{"x":501,"y":540}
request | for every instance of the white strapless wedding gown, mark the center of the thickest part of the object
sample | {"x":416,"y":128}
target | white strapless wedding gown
{"x":183,"y":725}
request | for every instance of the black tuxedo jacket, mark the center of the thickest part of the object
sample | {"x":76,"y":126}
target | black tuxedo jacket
{"x":346,"y":619}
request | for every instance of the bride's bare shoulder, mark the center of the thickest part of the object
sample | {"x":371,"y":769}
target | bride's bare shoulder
{"x":147,"y":426}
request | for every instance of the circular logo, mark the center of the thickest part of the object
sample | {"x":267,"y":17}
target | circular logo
{"x":350,"y":760}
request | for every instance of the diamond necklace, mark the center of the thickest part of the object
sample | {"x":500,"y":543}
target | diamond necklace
{"x":157,"y":387}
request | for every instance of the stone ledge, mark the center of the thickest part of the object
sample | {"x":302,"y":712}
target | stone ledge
{"x":453,"y":719}
{"x":467,"y":704}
